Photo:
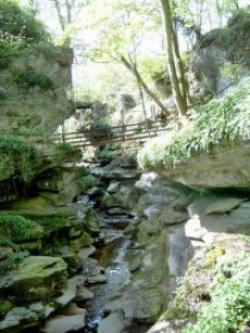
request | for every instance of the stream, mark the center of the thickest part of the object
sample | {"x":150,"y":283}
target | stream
{"x":112,"y":257}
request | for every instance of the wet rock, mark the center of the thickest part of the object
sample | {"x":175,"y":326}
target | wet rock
{"x":113,"y":187}
{"x":86,"y":252}
{"x":147,"y":181}
{"x":114,"y":323}
{"x":109,"y":236}
{"x":120,"y":174}
{"x":180,"y":252}
{"x":64,"y":324}
{"x":84,"y":241}
{"x":142,"y":305}
{"x":72,"y":309}
{"x":116,"y":211}
{"x":92,"y":268}
{"x":83,"y":294}
{"x":18,"y":317}
{"x":68,"y":293}
{"x":100,"y":278}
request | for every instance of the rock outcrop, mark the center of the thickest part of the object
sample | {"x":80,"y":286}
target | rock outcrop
{"x":225,"y":168}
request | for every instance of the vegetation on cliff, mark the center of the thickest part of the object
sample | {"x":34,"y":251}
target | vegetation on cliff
{"x":224,"y":120}
{"x":228,"y":310}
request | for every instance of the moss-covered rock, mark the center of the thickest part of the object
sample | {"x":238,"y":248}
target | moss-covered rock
{"x":81,"y":242}
{"x":5,"y":306}
{"x":37,"y":278}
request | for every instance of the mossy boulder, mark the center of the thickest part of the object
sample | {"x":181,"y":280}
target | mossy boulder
{"x":37,"y":278}
{"x":5,"y":306}
{"x":17,"y":229}
{"x":81,"y":242}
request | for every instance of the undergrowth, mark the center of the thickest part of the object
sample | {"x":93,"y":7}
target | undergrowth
{"x":19,"y":155}
{"x":17,"y":229}
{"x":86,"y":181}
{"x":220,"y":121}
{"x":18,"y":29}
{"x":229,"y":309}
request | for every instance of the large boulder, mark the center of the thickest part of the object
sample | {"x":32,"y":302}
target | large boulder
{"x":224,"y":46}
{"x":226,"y":167}
{"x":37,"y":278}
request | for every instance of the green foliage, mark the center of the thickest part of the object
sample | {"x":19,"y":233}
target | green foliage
{"x":17,"y":229}
{"x":54,"y":248}
{"x":220,"y":121}
{"x":229,"y":310}
{"x":12,"y":260}
{"x":20,"y":22}
{"x":19,"y":155}
{"x":18,"y":30}
{"x":64,"y":147}
{"x":31,"y":79}
{"x":212,"y":256}
{"x":109,"y":152}
{"x":10,"y":47}
{"x":86,"y":182}
{"x":52,"y":224}
{"x":231,"y":70}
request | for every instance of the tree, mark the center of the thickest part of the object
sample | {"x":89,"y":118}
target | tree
{"x":64,"y":9}
{"x":120,"y":29}
{"x":175,"y":65}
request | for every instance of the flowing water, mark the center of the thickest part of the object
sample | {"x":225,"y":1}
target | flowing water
{"x":112,"y":258}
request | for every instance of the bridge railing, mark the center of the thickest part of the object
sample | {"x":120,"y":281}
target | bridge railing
{"x":97,"y":136}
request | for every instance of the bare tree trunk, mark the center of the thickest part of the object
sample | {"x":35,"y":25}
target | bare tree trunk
{"x":175,"y":64}
{"x":59,"y":14}
{"x":138,"y":77}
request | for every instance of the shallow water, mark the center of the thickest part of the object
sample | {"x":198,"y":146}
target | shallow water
{"x":112,"y":258}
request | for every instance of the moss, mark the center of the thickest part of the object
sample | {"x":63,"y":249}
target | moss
{"x":85,"y":183}
{"x":228,"y":310}
{"x":109,"y":152}
{"x":83,"y":241}
{"x":54,"y":223}
{"x":176,"y":310}
{"x":5,"y":306}
{"x":212,"y":257}
{"x":17,"y":229}
{"x":29,"y":79}
{"x":18,"y":157}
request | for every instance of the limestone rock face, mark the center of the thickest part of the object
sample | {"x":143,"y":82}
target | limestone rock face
{"x":42,"y":109}
{"x":227,"y":167}
{"x":221,"y":46}
{"x":36,"y":279}
{"x":112,"y":324}
{"x":65,"y":324}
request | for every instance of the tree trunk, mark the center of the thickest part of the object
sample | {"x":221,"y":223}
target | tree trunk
{"x":175,"y":65}
{"x":142,"y":83}
{"x":59,"y":14}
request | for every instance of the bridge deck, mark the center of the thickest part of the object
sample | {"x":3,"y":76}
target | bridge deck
{"x":94,"y":137}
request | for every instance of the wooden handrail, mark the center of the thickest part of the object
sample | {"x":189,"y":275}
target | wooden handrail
{"x":123,"y":133}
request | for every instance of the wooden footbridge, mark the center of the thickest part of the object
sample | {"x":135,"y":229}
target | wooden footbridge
{"x":139,"y":132}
